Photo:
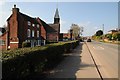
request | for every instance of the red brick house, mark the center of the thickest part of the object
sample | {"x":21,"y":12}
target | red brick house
{"x":52,"y":31}
{"x":3,"y":41}
{"x":23,"y":28}
{"x":65,"y":36}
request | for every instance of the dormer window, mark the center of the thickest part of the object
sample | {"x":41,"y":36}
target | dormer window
{"x":38,"y":25}
{"x":33,"y":25}
{"x":29,"y":23}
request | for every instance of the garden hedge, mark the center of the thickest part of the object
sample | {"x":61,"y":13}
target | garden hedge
{"x":20,"y":63}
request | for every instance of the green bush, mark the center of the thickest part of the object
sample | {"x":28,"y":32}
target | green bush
{"x":108,"y":36}
{"x":23,"y":62}
{"x":26,"y":44}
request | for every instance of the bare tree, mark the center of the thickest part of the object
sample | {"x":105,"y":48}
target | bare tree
{"x":75,"y":30}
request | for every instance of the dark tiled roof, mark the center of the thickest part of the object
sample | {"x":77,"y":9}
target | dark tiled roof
{"x":55,"y":27}
{"x":48,"y":28}
{"x":113,"y":31}
{"x":28,"y":18}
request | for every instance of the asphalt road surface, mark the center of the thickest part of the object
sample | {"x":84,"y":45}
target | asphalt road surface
{"x":106,"y":57}
{"x":90,"y":60}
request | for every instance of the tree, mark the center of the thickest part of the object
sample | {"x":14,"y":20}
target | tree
{"x":116,"y":36}
{"x":99,"y":33}
{"x":75,"y":30}
{"x":108,"y":36}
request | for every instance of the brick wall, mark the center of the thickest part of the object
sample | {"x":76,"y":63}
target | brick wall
{"x":52,"y":36}
{"x":3,"y":38}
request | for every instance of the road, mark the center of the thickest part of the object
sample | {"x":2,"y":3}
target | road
{"x":106,"y":56}
{"x":94,"y":60}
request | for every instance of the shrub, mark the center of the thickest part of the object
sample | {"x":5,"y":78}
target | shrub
{"x":26,"y":44}
{"x":23,"y":62}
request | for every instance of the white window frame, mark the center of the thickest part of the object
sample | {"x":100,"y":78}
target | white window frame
{"x":2,"y":42}
{"x":33,"y":33}
{"x":38,"y":33}
{"x":39,"y":42}
{"x":38,"y":25}
{"x":33,"y":25}
{"x":29,"y":33}
{"x":29,"y":23}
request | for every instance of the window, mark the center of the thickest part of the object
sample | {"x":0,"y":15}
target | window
{"x":33,"y":33}
{"x":29,"y":23}
{"x":2,"y":42}
{"x":38,"y":42}
{"x":37,"y":33}
{"x":28,"y":33}
{"x":38,"y":25}
{"x":33,"y":25}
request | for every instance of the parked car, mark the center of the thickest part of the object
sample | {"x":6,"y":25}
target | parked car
{"x":81,"y":40}
{"x":89,"y":40}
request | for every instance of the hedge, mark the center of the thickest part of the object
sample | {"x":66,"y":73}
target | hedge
{"x":26,"y":44}
{"x":23,"y":62}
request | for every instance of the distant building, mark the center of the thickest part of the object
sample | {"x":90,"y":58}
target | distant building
{"x":23,"y":28}
{"x":112,"y":31}
{"x":66,"y":36}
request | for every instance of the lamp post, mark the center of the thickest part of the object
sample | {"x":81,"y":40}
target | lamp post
{"x":71,"y":32}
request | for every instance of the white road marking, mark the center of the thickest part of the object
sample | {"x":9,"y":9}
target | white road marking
{"x":98,"y":48}
{"x":102,"y":48}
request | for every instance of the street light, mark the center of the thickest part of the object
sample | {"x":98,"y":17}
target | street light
{"x":71,"y":32}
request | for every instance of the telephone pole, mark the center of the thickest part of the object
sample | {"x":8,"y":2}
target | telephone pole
{"x":103,"y":28}
{"x":103,"y":31}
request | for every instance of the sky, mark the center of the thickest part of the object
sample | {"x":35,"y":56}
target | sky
{"x":89,"y":15}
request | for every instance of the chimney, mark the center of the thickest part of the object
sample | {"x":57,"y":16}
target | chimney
{"x":15,"y":10}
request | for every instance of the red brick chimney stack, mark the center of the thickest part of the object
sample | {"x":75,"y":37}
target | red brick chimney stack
{"x":15,"y":10}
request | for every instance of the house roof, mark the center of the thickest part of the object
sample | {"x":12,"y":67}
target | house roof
{"x":113,"y":31}
{"x":47,"y":27}
{"x":55,"y":27}
{"x":26,"y":17}
{"x":50,"y":28}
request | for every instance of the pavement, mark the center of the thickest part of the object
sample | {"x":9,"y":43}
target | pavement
{"x":77,"y":64}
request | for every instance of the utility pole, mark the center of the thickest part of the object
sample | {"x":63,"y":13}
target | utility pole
{"x":103,"y":31}
{"x":103,"y":28}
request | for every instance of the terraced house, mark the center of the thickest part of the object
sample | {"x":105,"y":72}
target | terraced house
{"x":23,"y":28}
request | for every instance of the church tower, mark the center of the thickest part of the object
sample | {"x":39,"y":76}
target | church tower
{"x":56,"y":17}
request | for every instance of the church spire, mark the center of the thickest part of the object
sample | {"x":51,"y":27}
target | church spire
{"x":56,"y":17}
{"x":56,"y":13}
